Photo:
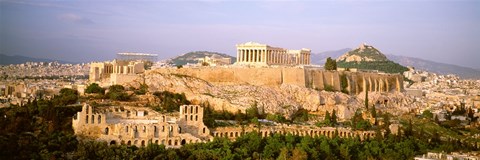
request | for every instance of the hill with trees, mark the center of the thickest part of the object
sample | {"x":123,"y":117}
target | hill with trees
{"x":367,"y":57}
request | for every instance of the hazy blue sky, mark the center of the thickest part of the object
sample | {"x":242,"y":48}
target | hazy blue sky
{"x":443,"y":31}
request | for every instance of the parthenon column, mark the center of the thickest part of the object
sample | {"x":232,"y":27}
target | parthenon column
{"x":252,"y":55}
{"x":258,"y":55}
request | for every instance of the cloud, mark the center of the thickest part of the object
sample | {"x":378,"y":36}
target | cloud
{"x":74,"y":18}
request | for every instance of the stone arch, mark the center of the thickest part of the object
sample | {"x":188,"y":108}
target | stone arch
{"x":169,"y":142}
{"x":106,"y":131}
{"x":143,"y":143}
{"x":176,"y":142}
{"x":221,"y":134}
{"x":231,"y":134}
{"x":156,"y":141}
{"x":113,"y":142}
{"x":129,"y":143}
{"x":236,"y":134}
{"x":183,"y":142}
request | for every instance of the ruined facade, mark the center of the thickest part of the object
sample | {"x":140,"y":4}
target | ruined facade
{"x":115,"y":72}
{"x":141,"y":126}
{"x":252,"y":53}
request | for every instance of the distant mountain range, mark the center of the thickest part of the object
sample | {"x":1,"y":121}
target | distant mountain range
{"x":7,"y":60}
{"x":437,"y":67}
{"x":192,"y":57}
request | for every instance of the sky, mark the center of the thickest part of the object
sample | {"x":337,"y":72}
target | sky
{"x":84,"y":31}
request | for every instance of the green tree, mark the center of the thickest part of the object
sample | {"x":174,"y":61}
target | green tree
{"x":67,"y":96}
{"x":334,"y":117}
{"x":327,"y":119}
{"x":427,"y":114}
{"x":330,"y":64}
{"x":94,"y":88}
{"x":117,"y":92}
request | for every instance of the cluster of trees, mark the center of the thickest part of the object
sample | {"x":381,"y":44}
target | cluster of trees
{"x":118,"y":93}
{"x":330,"y":120}
{"x":115,"y":92}
{"x":170,"y":101}
{"x":384,"y":66}
{"x":40,"y":129}
{"x":276,"y":146}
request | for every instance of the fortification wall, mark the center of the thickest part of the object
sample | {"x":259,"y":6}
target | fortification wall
{"x":305,"y":77}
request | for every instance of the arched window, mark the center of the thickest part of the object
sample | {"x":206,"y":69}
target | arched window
{"x":196,"y":109}
{"x":99,"y":119}
{"x":186,"y":118}
{"x":86,"y":120}
{"x":106,"y":131}
{"x":126,"y":129}
{"x":191,"y":117}
{"x":185,"y":110}
{"x":163,"y":128}
{"x":191,"y":110}
{"x":93,"y":119}
{"x":203,"y":129}
{"x":196,"y":118}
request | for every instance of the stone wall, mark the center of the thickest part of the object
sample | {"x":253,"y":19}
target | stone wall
{"x":305,"y":77}
{"x":234,"y":132}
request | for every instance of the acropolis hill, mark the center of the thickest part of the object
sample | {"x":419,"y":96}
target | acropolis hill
{"x":277,"y":80}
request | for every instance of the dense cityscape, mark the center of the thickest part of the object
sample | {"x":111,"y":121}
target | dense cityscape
{"x":204,"y":86}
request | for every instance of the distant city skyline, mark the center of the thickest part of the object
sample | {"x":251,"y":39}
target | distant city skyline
{"x":82,"y":31}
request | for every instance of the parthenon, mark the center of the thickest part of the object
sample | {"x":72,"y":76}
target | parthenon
{"x":252,"y":53}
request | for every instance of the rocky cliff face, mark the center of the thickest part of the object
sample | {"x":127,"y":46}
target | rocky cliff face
{"x":284,"y":99}
{"x":365,"y":53}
